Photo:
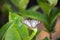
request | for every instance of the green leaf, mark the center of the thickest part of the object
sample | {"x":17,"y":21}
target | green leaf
{"x":23,"y":30}
{"x":34,"y":31}
{"x":17,"y":32}
{"x":13,"y":16}
{"x":13,"y":33}
{"x":52,"y":27}
{"x":46,"y":38}
{"x":4,"y":29}
{"x":34,"y":15}
{"x":53,"y":18}
{"x":44,"y":6}
{"x":54,"y":14}
{"x":53,"y":2}
{"x":20,"y":28}
{"x":34,"y":8}
{"x":21,"y":4}
{"x":38,"y":32}
{"x":6,"y":7}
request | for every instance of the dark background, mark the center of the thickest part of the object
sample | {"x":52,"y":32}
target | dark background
{"x":34,"y":2}
{"x":4,"y":19}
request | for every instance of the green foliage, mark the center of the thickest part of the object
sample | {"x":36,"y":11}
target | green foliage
{"x":52,"y":2}
{"x":46,"y":38}
{"x":34,"y":15}
{"x":47,"y":5}
{"x":21,"y":4}
{"x":50,"y":12}
{"x":4,"y":29}
{"x":15,"y":29}
{"x":6,"y":7}
{"x":44,"y":6}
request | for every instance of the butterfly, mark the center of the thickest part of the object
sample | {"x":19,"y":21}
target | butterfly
{"x":31,"y":23}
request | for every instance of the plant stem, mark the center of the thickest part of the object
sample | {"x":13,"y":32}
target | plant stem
{"x":50,"y":36}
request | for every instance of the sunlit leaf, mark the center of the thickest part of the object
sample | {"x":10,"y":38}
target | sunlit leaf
{"x":13,"y":33}
{"x":4,"y":29}
{"x":23,"y":30}
{"x":18,"y":31}
{"x":53,"y":2}
{"x":13,"y":16}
